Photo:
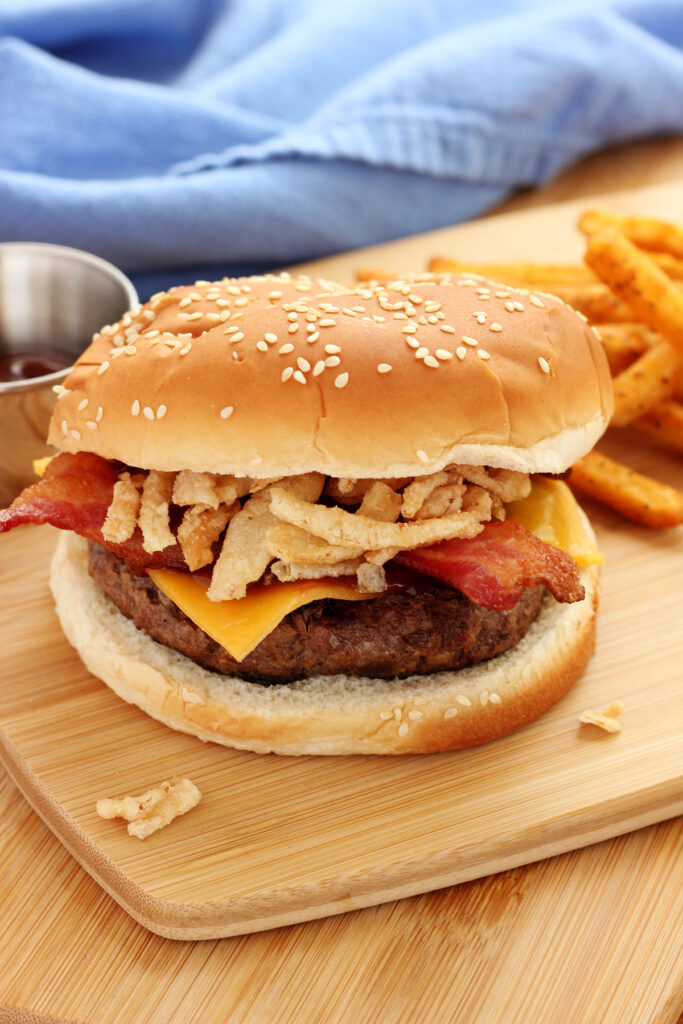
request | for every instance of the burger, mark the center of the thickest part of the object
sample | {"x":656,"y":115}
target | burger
{"x":309,"y":519}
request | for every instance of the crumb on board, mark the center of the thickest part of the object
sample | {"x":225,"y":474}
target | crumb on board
{"x":154,"y":809}
{"x":607,"y":719}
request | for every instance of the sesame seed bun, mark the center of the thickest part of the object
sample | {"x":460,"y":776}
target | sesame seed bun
{"x":326,"y":714}
{"x":275,"y":375}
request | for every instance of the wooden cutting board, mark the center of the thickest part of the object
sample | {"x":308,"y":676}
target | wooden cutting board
{"x":277,"y":840}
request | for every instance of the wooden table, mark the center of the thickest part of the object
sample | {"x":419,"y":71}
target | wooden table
{"x":590,"y":936}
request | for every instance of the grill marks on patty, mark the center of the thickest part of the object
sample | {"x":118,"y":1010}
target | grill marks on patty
{"x":399,"y":633}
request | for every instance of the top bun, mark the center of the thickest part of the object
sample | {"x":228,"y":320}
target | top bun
{"x":277,"y":375}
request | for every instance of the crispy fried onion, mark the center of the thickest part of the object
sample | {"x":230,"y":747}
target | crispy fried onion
{"x":279,"y":523}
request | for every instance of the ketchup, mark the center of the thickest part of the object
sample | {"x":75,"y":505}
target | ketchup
{"x":31,"y":362}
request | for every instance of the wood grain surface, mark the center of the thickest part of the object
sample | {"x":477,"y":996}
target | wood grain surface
{"x":589,"y":936}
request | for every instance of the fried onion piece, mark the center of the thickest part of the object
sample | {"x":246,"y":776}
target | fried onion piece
{"x":190,"y":488}
{"x":340,"y":527}
{"x":292,"y":544}
{"x":506,"y":484}
{"x":381,"y":502}
{"x":200,"y":529}
{"x":122,"y":514}
{"x":417,"y":492}
{"x":345,"y":491}
{"x":371,"y":578}
{"x":245,"y":555}
{"x":442,"y":501}
{"x":287,"y":572}
{"x":153,"y":518}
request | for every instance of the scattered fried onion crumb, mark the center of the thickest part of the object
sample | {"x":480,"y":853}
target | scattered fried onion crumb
{"x":607,"y":719}
{"x":154,"y":809}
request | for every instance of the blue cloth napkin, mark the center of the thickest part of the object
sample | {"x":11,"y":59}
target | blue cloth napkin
{"x":185,"y":138}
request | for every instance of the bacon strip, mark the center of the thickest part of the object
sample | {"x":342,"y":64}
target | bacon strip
{"x":74,"y":494}
{"x":494,"y":568}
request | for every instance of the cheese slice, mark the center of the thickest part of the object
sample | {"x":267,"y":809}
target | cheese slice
{"x":240,"y":625}
{"x":551,"y":513}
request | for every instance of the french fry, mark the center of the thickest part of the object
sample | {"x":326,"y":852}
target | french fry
{"x":650,"y":294}
{"x":527,"y":274}
{"x":647,"y":381}
{"x":597,"y":303}
{"x":623,"y":343}
{"x":645,"y":232}
{"x":632,"y":494}
{"x":664,"y":423}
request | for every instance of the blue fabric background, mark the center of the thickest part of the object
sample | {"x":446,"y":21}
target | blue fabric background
{"x":185,"y":138}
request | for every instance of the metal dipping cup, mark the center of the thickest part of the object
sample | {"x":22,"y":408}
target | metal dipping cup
{"x":56,"y":298}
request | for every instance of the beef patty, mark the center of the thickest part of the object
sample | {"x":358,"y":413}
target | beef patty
{"x":415,"y":629}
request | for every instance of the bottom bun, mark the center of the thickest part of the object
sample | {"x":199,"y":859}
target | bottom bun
{"x":326,"y":714}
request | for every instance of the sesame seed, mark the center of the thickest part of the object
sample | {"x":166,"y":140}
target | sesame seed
{"x":286,"y":349}
{"x":327,"y":323}
{"x":348,"y":312}
{"x":422,"y":456}
{"x":236,"y":357}
{"x":151,"y":334}
{"x":161,"y":412}
{"x":312,"y":338}
{"x":481,"y":318}
{"x":223,"y":303}
{"x":502,"y":295}
{"x":303,"y":364}
{"x":403,"y":729}
{"x":386,"y":715}
{"x":262,"y":346}
{"x":100,"y":412}
{"x":510,"y":306}
{"x":186,"y":348}
{"x":293,"y":328}
{"x":311,"y":316}
{"x":469,"y":341}
{"x":213,"y":317}
{"x":519,"y":306}
{"x":286,"y":373}
{"x":65,"y":427}
{"x":409,"y":329}
{"x":231,"y":330}
{"x":447,"y":329}
{"x":341,"y":381}
{"x":442,"y":353}
{"x":332,"y":349}
{"x":292,"y":316}
{"x":270,"y":337}
{"x":421,"y":352}
{"x":149,"y":413}
{"x":494,"y":698}
{"x":412,"y":342}
{"x":415,"y":715}
{"x":76,"y":434}
{"x":59,"y":389}
{"x":319,"y":367}
{"x":298,"y":376}
{"x":82,"y":404}
{"x":91,"y":425}
{"x":233,"y":290}
{"x":194,"y":316}
{"x":400,"y":316}
{"x":332,"y":361}
{"x":484,"y":698}
{"x":431,"y":361}
{"x":135,"y":408}
{"x":495,"y":327}
{"x":483,"y":354}
{"x":432,"y":318}
{"x":102,"y":368}
{"x":148,"y":314}
{"x":465,"y":701}
{"x":544,"y":364}
{"x":227,"y":412}
{"x":379,"y":319}
{"x":237,"y":337}
{"x":384,"y":368}
{"x":461,"y":352}
{"x":597,"y":334}
{"x":241,"y":301}
{"x":450,"y":712}
{"x":397,"y":714}
{"x":275,"y":295}
{"x":535,"y":301}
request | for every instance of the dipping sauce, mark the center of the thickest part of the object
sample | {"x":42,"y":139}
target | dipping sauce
{"x":32,"y":362}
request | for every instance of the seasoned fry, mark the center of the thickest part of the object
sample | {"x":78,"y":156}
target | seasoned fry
{"x":340,"y":527}
{"x":597,"y":303}
{"x":649,"y":293}
{"x":665,"y":424}
{"x":645,"y":383}
{"x":534,"y":275}
{"x":153,"y":518}
{"x":119,"y":525}
{"x":623,"y":343}
{"x":201,"y":527}
{"x":645,"y":232}
{"x":634,"y":495}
